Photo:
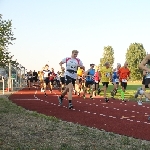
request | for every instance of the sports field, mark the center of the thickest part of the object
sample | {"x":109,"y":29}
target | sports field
{"x":31,"y":121}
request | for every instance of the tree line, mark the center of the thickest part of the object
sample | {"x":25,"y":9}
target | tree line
{"x":6,"y":39}
{"x":134,"y":55}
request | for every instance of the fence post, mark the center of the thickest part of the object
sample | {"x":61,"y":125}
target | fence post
{"x":3,"y":85}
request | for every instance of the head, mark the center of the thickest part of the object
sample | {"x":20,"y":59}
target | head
{"x":30,"y":72}
{"x":107,"y":64}
{"x":92,"y":66}
{"x":126,"y":64}
{"x":52,"y":69}
{"x":114,"y":69}
{"x":74,"y":53}
{"x":46,"y":67}
{"x":118,"y":65}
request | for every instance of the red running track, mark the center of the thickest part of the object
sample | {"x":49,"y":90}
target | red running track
{"x":115,"y":116}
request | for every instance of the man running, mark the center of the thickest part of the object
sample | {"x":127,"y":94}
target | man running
{"x":89,"y":83}
{"x":124,"y":76}
{"x":144,"y":86}
{"x":46,"y":75}
{"x":72,"y":64}
{"x":115,"y":80}
{"x":35,"y":76}
{"x":145,"y":66}
{"x":106,"y":77}
{"x":79,"y":80}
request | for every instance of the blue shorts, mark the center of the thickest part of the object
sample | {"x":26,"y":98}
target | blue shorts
{"x":115,"y":81}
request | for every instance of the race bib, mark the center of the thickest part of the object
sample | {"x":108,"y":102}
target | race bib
{"x":124,"y":80}
{"x":116,"y":80}
{"x":29,"y":76}
{"x":96,"y":81}
{"x":107,"y":74}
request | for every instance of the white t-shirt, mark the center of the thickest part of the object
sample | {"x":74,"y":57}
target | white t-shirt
{"x":46,"y":73}
{"x":58,"y":77}
{"x":72,"y":64}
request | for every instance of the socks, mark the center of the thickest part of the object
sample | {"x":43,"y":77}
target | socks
{"x":70,"y":101}
{"x":122,"y":95}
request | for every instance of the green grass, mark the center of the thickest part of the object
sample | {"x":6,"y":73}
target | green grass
{"x":22,"y":129}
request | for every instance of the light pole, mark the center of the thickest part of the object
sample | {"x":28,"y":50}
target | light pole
{"x":20,"y":75}
{"x":9,"y":78}
{"x":16,"y":76}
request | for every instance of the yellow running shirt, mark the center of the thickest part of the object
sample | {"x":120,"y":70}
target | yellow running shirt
{"x":105,"y":74}
{"x":80,"y":72}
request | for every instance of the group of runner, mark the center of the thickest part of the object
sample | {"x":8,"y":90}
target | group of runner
{"x":80,"y":81}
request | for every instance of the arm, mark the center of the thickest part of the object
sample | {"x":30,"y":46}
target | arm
{"x":81,"y":65}
{"x":143,"y":63}
{"x":129,"y":74}
{"x":62,"y":62}
{"x":86,"y":73}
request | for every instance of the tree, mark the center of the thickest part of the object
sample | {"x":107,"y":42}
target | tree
{"x":135,"y":54}
{"x":108,"y":56}
{"x":6,"y":38}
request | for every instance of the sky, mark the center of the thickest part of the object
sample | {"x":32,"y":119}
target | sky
{"x":47,"y":31}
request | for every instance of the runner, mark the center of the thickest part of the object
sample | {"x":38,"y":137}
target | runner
{"x":62,"y":79}
{"x":52,"y":79}
{"x":97,"y":80}
{"x":30,"y":79}
{"x":115,"y":80}
{"x":145,"y":66}
{"x":124,"y":76}
{"x":58,"y":79}
{"x":80,"y":72}
{"x":41,"y":80}
{"x":35,"y":75}
{"x":106,"y":77}
{"x":144,"y":86}
{"x":46,"y":76}
{"x":90,"y":83}
{"x":72,"y":64}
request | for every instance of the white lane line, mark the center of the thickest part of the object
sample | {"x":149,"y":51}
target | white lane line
{"x":27,"y":99}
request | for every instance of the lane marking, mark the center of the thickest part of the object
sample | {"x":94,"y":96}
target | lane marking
{"x":27,"y":99}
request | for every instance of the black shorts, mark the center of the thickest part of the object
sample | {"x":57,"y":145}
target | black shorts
{"x":51,"y":81}
{"x":62,"y":80}
{"x":124,"y":85}
{"x":79,"y":79}
{"x":143,"y":80}
{"x":147,"y":81}
{"x":30,"y":79}
{"x":105,"y":84}
{"x":88,"y":83}
{"x":70,"y":80}
{"x":35,"y":79}
{"x":46,"y":80}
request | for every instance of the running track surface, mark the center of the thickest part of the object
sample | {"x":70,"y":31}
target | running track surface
{"x":115,"y":116}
